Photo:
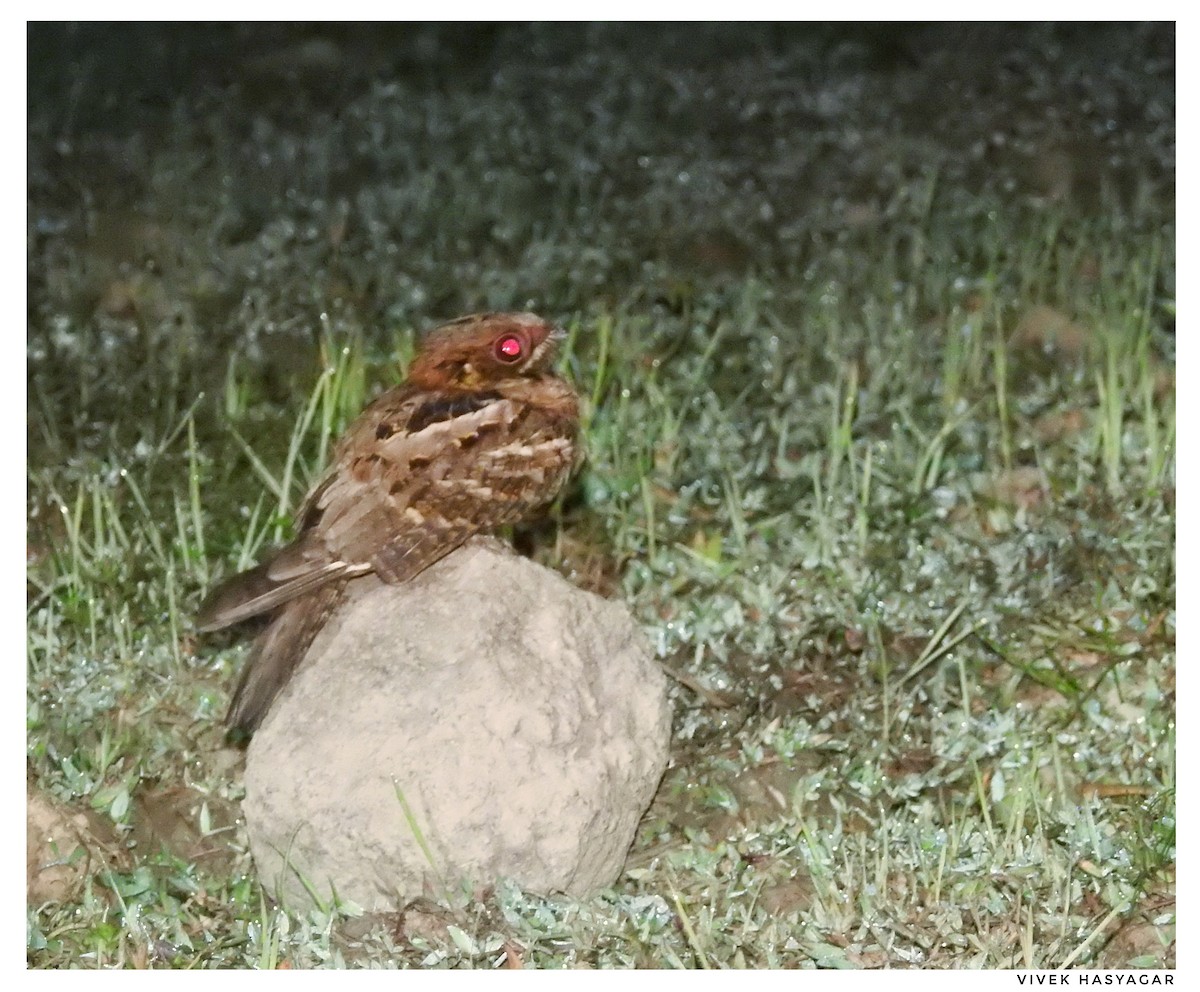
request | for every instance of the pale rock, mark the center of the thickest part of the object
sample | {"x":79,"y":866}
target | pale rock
{"x":523,"y":722}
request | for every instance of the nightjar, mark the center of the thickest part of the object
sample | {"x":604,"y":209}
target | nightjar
{"x":480,"y":434}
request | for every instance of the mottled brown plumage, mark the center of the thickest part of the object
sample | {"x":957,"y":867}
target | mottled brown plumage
{"x":480,"y":434}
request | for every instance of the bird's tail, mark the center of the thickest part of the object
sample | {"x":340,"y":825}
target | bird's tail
{"x":277,"y":653}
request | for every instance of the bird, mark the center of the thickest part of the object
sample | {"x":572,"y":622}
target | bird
{"x":481,"y":433}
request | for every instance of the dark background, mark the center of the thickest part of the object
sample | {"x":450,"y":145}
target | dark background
{"x":197,"y":185}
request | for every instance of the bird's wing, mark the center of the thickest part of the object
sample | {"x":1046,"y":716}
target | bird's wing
{"x":412,"y":483}
{"x":382,"y":503}
{"x":263,"y":588}
{"x":414,"y":477}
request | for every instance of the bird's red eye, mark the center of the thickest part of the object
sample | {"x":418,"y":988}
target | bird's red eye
{"x":509,"y":348}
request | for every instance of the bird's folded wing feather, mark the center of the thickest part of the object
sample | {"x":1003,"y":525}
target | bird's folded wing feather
{"x":250,"y":593}
{"x":396,"y":497}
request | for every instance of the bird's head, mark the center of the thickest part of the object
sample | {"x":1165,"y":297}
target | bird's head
{"x":483,"y":349}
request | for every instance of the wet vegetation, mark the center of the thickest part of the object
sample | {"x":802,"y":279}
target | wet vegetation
{"x":876,"y":329}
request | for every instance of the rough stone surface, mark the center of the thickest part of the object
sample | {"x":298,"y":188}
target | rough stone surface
{"x":524,"y":722}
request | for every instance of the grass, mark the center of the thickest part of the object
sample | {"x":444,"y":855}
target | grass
{"x":894,"y":503}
